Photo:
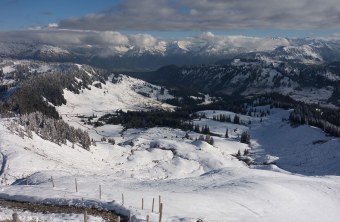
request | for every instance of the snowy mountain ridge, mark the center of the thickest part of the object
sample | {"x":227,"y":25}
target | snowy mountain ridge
{"x":304,"y":82}
{"x":115,"y":50}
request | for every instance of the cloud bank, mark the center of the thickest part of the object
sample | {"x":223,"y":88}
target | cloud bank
{"x":109,"y":43}
{"x":202,"y":15}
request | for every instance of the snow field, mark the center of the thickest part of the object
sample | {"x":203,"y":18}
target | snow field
{"x":294,"y":179}
{"x":123,"y":95}
{"x":200,"y":181}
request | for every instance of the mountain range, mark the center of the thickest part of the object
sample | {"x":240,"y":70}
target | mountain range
{"x":72,"y":128}
{"x":145,"y":52}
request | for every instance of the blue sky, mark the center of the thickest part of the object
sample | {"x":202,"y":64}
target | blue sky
{"x":22,"y":14}
{"x":177,"y":18}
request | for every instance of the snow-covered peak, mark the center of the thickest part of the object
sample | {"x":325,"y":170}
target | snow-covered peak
{"x":115,"y":50}
{"x":303,"y":53}
{"x":49,"y":51}
{"x":53,"y":50}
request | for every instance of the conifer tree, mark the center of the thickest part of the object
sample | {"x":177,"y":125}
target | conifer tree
{"x":237,"y":119}
{"x":245,"y":137}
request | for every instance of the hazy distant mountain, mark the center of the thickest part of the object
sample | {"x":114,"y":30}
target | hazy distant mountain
{"x":206,"y":49}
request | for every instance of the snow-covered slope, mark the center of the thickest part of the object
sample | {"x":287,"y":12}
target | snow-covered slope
{"x":48,"y":52}
{"x":195,"y":180}
{"x":294,"y":175}
{"x":303,"y":53}
{"x":120,"y":92}
{"x":16,"y":70}
{"x":302,"y":149}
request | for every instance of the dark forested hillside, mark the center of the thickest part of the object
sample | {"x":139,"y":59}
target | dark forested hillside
{"x":42,"y":91}
{"x":324,"y":118}
{"x":249,"y":77}
{"x":54,"y":130}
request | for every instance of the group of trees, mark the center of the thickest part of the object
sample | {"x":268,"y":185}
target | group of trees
{"x":148,"y":119}
{"x":35,"y":91}
{"x":54,"y":130}
{"x":256,"y":113}
{"x":205,"y":129}
{"x":227,"y":119}
{"x":245,"y":137}
{"x":36,"y":94}
{"x":324,"y":118}
{"x":222,"y":118}
{"x":154,"y":118}
{"x":109,"y":140}
{"x":207,"y":138}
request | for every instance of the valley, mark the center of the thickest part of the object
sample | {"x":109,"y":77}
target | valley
{"x":169,"y":111}
{"x":291,"y":172}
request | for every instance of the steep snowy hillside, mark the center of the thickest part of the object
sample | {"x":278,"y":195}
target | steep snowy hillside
{"x":302,"y":149}
{"x":119,"y":92}
{"x":13,"y":71}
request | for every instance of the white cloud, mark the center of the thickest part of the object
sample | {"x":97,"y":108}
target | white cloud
{"x":143,"y":40}
{"x":108,"y":43}
{"x":218,"y":44}
{"x":114,"y":38}
{"x":207,"y":35}
{"x":53,"y":25}
{"x":105,"y":38}
{"x":202,"y":15}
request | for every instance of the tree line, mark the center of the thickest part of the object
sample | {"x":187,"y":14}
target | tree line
{"x":324,"y":118}
{"x":148,"y":119}
{"x":54,"y":130}
{"x":36,"y":92}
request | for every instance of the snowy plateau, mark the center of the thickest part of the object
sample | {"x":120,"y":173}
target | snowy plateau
{"x":294,"y":175}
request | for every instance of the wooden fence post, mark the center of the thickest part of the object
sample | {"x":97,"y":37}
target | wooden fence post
{"x":153,"y":203}
{"x":75,"y":181}
{"x":142,"y":203}
{"x":100,"y":192}
{"x":159,"y":203}
{"x":118,"y":219}
{"x":122,"y":198}
{"x":15,"y":217}
{"x":147,"y":218}
{"x":160,"y":212}
{"x":52,"y":181}
{"x":85,"y":216}
{"x":130,"y":217}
